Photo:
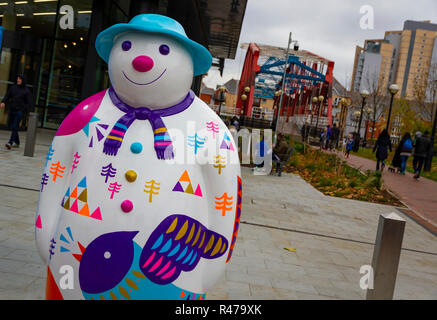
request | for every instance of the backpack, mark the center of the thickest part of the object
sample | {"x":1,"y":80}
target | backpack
{"x":408,"y":145}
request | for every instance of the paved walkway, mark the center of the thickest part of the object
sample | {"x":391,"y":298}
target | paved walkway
{"x":332,"y":238}
{"x":420,"y":196}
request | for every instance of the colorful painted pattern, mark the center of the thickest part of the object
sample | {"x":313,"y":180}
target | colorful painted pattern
{"x":77,"y":201}
{"x":237,"y":217}
{"x":177,"y":245}
{"x":184,"y":185}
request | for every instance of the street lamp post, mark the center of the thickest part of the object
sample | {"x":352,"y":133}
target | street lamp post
{"x":296,"y":47}
{"x":313,"y":104}
{"x":393,"y":89}
{"x":364,"y":94}
{"x":343,"y":113}
{"x":369,"y":111}
{"x":222,"y":90}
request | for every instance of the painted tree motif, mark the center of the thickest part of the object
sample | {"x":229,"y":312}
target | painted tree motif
{"x":219,"y":163}
{"x":45,"y":178}
{"x":76,"y":158}
{"x":196,"y":142}
{"x":108,"y":172}
{"x":224,"y":203}
{"x":49,"y":156}
{"x":152,"y":188}
{"x":57,"y":170}
{"x":114,"y":188}
{"x":213,"y":127}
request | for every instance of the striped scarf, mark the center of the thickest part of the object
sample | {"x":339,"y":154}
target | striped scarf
{"x":162,"y":141}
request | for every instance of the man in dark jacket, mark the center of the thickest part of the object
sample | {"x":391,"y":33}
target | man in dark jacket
{"x":20,"y":101}
{"x":334,"y":137}
{"x":422,"y":146}
{"x":280,"y":149}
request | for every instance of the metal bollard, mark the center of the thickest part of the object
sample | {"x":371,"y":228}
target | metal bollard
{"x":386,"y":255}
{"x":32,"y":124}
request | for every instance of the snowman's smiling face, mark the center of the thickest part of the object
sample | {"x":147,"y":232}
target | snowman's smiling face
{"x":150,"y":70}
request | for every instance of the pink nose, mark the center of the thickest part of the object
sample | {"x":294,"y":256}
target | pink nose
{"x":142,"y":63}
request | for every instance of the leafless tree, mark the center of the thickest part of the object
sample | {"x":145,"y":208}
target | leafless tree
{"x":377,"y":100}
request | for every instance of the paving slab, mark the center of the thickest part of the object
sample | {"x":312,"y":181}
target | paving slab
{"x":332,"y":238}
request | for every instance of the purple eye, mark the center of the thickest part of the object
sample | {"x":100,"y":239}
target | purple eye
{"x":126,"y":45}
{"x":164,"y":49}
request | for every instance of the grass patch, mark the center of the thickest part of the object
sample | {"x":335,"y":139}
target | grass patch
{"x":332,"y":176}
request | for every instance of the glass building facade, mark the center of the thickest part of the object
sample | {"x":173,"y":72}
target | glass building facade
{"x":51,"y":42}
{"x":52,"y":53}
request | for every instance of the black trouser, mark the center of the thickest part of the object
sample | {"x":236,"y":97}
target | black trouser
{"x":16,"y":117}
{"x":382,"y":161}
{"x":418,"y":163}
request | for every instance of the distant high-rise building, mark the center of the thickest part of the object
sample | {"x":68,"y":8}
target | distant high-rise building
{"x":402,"y":57}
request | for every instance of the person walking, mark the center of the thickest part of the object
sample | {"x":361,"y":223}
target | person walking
{"x":20,"y":101}
{"x":349,"y":142}
{"x":422,"y":147}
{"x":280,"y":151}
{"x":405,"y":148}
{"x":328,"y":137}
{"x":334,"y":137}
{"x":381,"y":147}
{"x":322,"y":140}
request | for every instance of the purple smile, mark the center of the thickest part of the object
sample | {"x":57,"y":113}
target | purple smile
{"x":144,"y":84}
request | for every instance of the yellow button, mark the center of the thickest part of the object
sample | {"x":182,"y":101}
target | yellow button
{"x":131,"y":176}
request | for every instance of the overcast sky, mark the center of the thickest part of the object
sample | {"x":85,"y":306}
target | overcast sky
{"x":329,"y":28}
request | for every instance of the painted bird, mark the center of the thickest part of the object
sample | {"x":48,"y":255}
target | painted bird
{"x":114,"y":267}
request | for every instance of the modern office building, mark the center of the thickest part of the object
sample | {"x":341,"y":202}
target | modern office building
{"x":402,"y":57}
{"x":51,"y":42}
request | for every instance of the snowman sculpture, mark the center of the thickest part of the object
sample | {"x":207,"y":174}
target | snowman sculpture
{"x":129,"y":208}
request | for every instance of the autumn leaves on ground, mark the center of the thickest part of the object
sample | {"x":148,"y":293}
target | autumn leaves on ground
{"x":332,"y":176}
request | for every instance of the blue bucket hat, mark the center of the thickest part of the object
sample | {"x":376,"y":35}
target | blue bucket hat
{"x":155,"y":23}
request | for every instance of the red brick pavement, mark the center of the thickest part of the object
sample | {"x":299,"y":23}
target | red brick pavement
{"x":420,"y":196}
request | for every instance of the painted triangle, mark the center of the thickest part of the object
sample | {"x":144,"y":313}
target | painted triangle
{"x":67,"y":194}
{"x":86,"y":129}
{"x":100,"y":136}
{"x":185,"y":177}
{"x":74,"y":194}
{"x":231,"y":147}
{"x":182,"y":294}
{"x":74,"y":207}
{"x":38,"y":223}
{"x":67,"y":204}
{"x":189,"y":189}
{"x":223,"y":145}
{"x":52,"y":290}
{"x":178,"y":187}
{"x":94,"y":119}
{"x":77,"y":256}
{"x":81,"y":247}
{"x":91,"y":143}
{"x":83,"y":196}
{"x":104,"y":126}
{"x":227,"y":137}
{"x":62,"y":238}
{"x":97,"y":214}
{"x":82,"y":183}
{"x":198,"y":191}
{"x":64,"y":249}
{"x":85,"y":210}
